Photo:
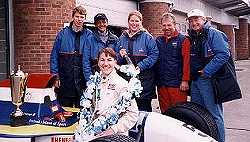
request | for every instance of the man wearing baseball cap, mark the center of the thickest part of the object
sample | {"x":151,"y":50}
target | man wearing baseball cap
{"x":209,"y":51}
{"x":101,"y":38}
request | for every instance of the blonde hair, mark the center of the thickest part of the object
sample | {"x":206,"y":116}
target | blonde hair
{"x":136,"y":13}
{"x":80,"y":10}
{"x":168,"y":16}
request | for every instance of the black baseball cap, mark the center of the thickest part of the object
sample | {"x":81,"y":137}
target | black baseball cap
{"x":100,"y":16}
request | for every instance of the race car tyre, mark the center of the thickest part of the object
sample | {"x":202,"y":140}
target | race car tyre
{"x":195,"y":115}
{"x":114,"y":138}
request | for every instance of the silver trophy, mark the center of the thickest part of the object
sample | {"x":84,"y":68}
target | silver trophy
{"x":18,"y":83}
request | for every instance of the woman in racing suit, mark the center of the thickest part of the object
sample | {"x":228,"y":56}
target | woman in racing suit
{"x":112,"y":87}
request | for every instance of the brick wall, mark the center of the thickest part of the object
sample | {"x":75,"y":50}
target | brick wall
{"x":242,"y":40}
{"x":152,"y":12}
{"x":36,"y":24}
{"x":229,"y":31}
{"x":249,"y":39}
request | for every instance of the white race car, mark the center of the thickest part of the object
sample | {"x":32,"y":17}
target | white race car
{"x":178,"y":124}
{"x":156,"y":127}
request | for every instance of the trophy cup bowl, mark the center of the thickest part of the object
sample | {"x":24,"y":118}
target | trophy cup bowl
{"x":18,"y":83}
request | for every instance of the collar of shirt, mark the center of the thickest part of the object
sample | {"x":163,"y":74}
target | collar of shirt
{"x":105,"y":79}
{"x":76,"y":29}
{"x":174,"y":34}
{"x":130,"y":35}
{"x":103,"y":36}
{"x":103,"y":33}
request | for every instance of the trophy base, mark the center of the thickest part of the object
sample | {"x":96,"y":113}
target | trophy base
{"x":16,"y":121}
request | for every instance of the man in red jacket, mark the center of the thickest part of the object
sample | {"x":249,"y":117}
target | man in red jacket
{"x":173,"y":67}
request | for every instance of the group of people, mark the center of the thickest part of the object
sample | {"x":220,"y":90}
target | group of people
{"x":177,"y":64}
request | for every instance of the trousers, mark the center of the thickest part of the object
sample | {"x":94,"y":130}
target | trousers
{"x":170,"y":96}
{"x":202,"y":93}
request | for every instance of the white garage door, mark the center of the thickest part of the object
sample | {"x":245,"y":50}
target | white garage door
{"x":116,"y":10}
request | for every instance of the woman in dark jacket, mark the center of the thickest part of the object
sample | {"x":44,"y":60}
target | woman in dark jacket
{"x":141,"y":47}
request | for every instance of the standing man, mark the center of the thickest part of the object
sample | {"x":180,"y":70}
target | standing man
{"x":66,"y":60}
{"x":173,"y":66}
{"x":101,"y":38}
{"x":209,"y":51}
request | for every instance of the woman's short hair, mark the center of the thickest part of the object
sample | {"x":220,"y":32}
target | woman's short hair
{"x":168,"y":16}
{"x":80,"y":10}
{"x":136,"y":13}
{"x":108,"y":52}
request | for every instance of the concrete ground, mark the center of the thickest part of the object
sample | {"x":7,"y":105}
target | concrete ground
{"x":237,"y":112}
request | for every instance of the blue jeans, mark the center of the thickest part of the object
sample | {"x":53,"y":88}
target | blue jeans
{"x":202,"y":93}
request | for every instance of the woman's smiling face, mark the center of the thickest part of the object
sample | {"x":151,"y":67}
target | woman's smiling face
{"x":134,"y":23}
{"x":106,"y":64}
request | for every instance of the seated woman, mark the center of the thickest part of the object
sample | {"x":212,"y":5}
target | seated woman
{"x":108,"y":114}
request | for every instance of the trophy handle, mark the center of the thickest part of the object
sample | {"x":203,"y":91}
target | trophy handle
{"x":23,"y":85}
{"x":25,"y":80}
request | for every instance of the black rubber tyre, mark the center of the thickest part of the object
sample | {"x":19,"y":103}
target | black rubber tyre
{"x":195,"y":115}
{"x":114,"y":138}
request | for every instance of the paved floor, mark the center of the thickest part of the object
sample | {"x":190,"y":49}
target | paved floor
{"x":236,"y":113}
